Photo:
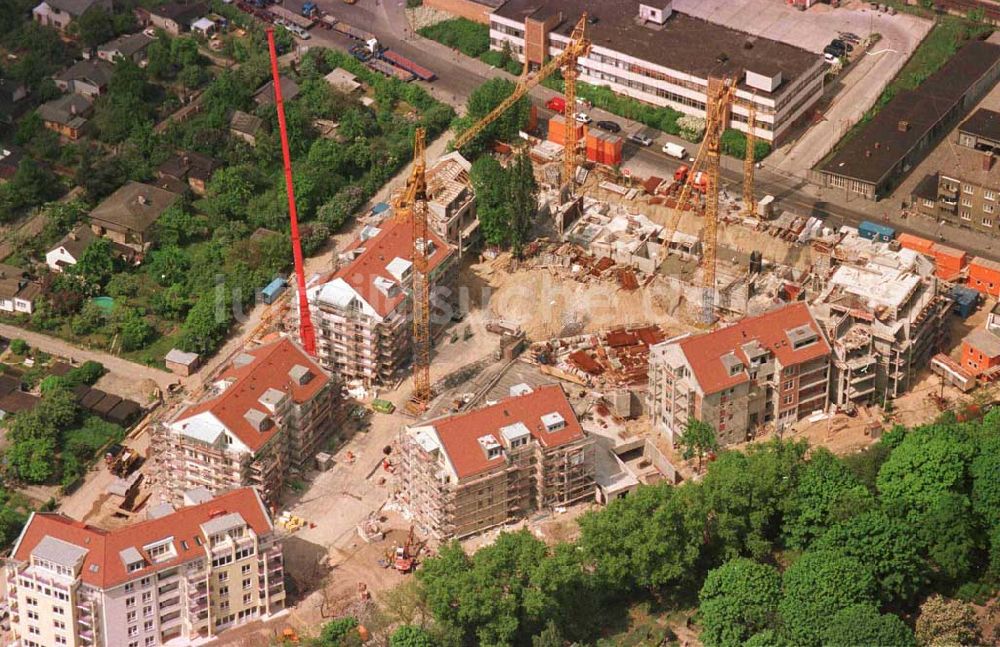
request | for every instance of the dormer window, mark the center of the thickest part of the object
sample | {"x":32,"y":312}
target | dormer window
{"x":491,"y":447}
{"x":553,"y":421}
{"x":801,"y":337}
{"x":161,"y":551}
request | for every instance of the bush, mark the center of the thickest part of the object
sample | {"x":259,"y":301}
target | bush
{"x":19,"y":347}
{"x":470,"y":38}
{"x":734,"y":144}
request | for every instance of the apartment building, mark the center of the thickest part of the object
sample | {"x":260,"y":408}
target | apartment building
{"x":648,"y":51}
{"x":464,"y":473}
{"x":885,"y":316}
{"x":267,"y":413}
{"x":182,"y":575}
{"x":761,"y":372}
{"x":451,"y":202}
{"x":362,"y":310}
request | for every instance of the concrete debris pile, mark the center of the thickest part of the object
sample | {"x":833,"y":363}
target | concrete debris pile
{"x":615,"y":358}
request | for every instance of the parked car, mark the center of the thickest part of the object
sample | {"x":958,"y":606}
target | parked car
{"x":556,"y":103}
{"x":839,"y":44}
{"x":830,"y":58}
{"x":610,"y":126}
{"x":675,"y":150}
{"x":640,"y":139}
{"x":583,"y":117}
{"x":850,"y":37}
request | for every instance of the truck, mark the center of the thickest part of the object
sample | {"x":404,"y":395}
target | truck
{"x":309,"y":9}
{"x":675,"y":150}
{"x":401,"y":61}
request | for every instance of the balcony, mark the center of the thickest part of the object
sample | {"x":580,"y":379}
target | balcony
{"x":87,"y":636}
{"x":197,"y":607}
{"x":167,"y":604}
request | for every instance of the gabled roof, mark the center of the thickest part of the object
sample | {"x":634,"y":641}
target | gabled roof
{"x":189,"y":164}
{"x":103,"y":566}
{"x":367,"y":275}
{"x":76,"y":241}
{"x":76,"y":7}
{"x":68,"y":110}
{"x":243,"y":122}
{"x":265,"y":95}
{"x":712,"y":354}
{"x":134,"y":207}
{"x":181,"y":13}
{"x":460,"y":434}
{"x":250,"y":377}
{"x":95,"y":71}
{"x":128,"y":44}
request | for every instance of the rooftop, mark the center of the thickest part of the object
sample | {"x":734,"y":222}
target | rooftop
{"x":683,"y":43}
{"x":128,"y":44}
{"x":181,"y":12}
{"x":68,"y":110}
{"x":972,"y":166}
{"x":265,"y":95}
{"x":876,"y":286}
{"x":719,"y":359}
{"x":243,"y":122}
{"x":878,"y":148}
{"x":102,"y":550}
{"x":95,"y":71}
{"x":244,"y":384}
{"x":74,"y":7}
{"x":983,"y":123}
{"x":464,"y":436}
{"x":984,"y":341}
{"x":133,"y":207}
{"x":189,"y":164}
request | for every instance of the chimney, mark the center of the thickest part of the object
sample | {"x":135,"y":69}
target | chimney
{"x":143,"y":199}
{"x":988,"y":161}
{"x":73,"y":236}
{"x":877,"y":145}
{"x":903,"y":125}
{"x":72,"y":109}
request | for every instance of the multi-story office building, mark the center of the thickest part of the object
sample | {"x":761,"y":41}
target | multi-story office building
{"x":362,"y":311}
{"x":182,"y":576}
{"x":648,"y":51}
{"x":465,"y":473}
{"x":758,"y":373}
{"x":269,"y":411}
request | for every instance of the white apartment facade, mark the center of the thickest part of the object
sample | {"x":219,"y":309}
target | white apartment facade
{"x":783,"y":83}
{"x":185,"y":575}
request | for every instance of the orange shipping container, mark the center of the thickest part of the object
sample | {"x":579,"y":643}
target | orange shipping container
{"x":984,"y":275}
{"x":916,"y":243}
{"x":948,"y":257}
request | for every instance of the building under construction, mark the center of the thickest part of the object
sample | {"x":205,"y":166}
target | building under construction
{"x":885,"y":314}
{"x":269,"y":412}
{"x":451,"y":202}
{"x":362,"y":311}
{"x":468,"y":472}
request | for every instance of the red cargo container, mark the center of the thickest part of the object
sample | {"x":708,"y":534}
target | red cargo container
{"x":916,"y":243}
{"x":948,"y":261}
{"x":984,"y":275}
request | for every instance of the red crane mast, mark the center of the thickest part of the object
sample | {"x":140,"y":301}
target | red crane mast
{"x":307,"y":333}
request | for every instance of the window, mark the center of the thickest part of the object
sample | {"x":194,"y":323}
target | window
{"x":245,"y":569}
{"x":133,"y":643}
{"x":787,"y":399}
{"x":223,"y":576}
{"x":58,"y":610}
{"x":147,"y":596}
{"x":130,"y":601}
{"x":31,"y":601}
{"x":224,"y":606}
{"x":246,"y":584}
{"x":988,"y":208}
{"x":147,"y":626}
{"x":787,"y":385}
{"x":966,"y":215}
{"x":968,"y":188}
{"x":989,"y":195}
{"x":247,"y":598}
{"x":58,"y":624}
{"x":147,"y":611}
{"x":966,"y":202}
{"x":32,"y":615}
{"x":60,"y":640}
{"x":133,"y":631}
{"x":987,"y":222}
{"x":144,"y":582}
{"x":130,"y":616}
{"x":130,"y":587}
{"x":150,"y":640}
{"x":33,"y":630}
{"x":224,"y":590}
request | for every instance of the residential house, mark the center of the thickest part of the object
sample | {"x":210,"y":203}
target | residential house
{"x":468,"y":472}
{"x":18,"y":292}
{"x":763,"y":372}
{"x":128,"y":216}
{"x":343,"y":81}
{"x":89,"y":78}
{"x":67,"y":115}
{"x":11,"y":92}
{"x":245,"y":126}
{"x":10,"y":160}
{"x":130,"y":46}
{"x":70,"y":249}
{"x":981,"y":348}
{"x":60,"y":13}
{"x":194,"y":168}
{"x":269,"y":412}
{"x":182,"y":576}
{"x":264,"y":96}
{"x":175,"y":18}
{"x":362,"y":310}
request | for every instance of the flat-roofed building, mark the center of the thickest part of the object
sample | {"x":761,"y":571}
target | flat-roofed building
{"x":268,"y":412}
{"x":758,"y":373}
{"x":648,"y":51}
{"x":181,"y":577}
{"x":465,"y":473}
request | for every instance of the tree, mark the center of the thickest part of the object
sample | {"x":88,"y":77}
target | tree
{"x":738,"y":599}
{"x":19,"y":347}
{"x":698,"y":439}
{"x":888,"y":549}
{"x":818,"y":585}
{"x":33,"y":459}
{"x":411,"y":636}
{"x":229,"y":193}
{"x":96,"y":266}
{"x":950,"y":535}
{"x":522,"y":194}
{"x":481,"y":102}
{"x":168,"y":265}
{"x":550,"y":636}
{"x":341,"y":632}
{"x":91,"y":318}
{"x":861,"y":624}
{"x":135,"y":332}
{"x":492,"y":207}
{"x":203,"y":330}
{"x":826,"y":493}
{"x":946,"y":622}
{"x":94,"y":27}
{"x":984,"y":469}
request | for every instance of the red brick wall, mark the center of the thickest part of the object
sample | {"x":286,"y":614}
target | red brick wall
{"x":463,"y":9}
{"x":976,"y":361}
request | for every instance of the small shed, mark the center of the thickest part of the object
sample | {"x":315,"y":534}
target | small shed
{"x":965,"y":300}
{"x":203,"y":26}
{"x":124,"y":413}
{"x":273,"y":290}
{"x":109,"y":402}
{"x":181,"y":363}
{"x":92,"y":398}
{"x":80,"y":391}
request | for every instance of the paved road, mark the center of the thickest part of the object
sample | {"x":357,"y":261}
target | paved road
{"x":55,"y":346}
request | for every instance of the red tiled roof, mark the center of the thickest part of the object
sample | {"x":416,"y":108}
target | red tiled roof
{"x":394,"y":240}
{"x":459,"y":434}
{"x":269,"y":370}
{"x":104,"y":546}
{"x":705,"y":352}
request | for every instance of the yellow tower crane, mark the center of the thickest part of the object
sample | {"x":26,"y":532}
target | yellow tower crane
{"x":749,"y":202}
{"x":412,"y":203}
{"x":577,"y":47}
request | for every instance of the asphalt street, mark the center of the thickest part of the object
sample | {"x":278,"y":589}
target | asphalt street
{"x":459,"y":75}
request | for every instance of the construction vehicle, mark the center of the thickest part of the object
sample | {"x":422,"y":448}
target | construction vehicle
{"x":309,"y":9}
{"x":406,"y":555}
{"x":123,"y":464}
{"x":577,"y":47}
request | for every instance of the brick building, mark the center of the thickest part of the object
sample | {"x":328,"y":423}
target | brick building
{"x":270,"y":411}
{"x":981,"y":347}
{"x":464,"y":473}
{"x":362,"y":311}
{"x":183,"y":575}
{"x":760,"y":372}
